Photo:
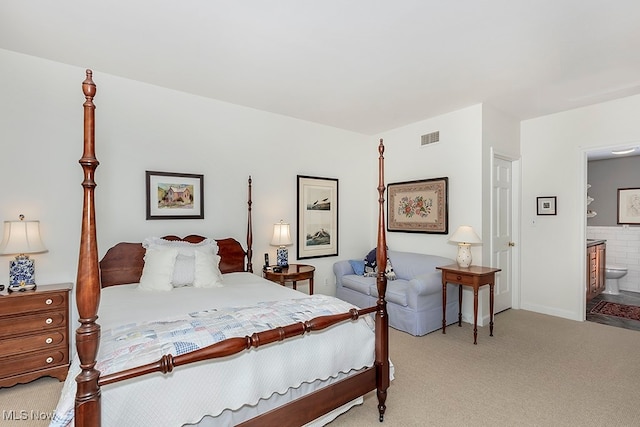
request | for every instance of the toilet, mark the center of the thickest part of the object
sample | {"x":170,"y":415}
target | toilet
{"x":612,"y":274}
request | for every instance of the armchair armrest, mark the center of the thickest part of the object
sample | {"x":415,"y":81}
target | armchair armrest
{"x":427,"y":283}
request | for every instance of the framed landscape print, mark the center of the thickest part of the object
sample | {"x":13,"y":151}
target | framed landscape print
{"x":317,"y":231}
{"x":419,"y":206}
{"x":629,"y":206}
{"x":174,"y":195}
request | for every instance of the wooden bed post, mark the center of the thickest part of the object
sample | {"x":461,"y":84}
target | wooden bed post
{"x":382,"y":319}
{"x":249,"y":231}
{"x":87,"y":403}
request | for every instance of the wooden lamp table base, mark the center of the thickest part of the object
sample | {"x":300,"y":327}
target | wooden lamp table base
{"x":473,"y":276}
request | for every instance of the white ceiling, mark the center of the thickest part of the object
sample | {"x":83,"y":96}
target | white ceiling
{"x":362,"y":65}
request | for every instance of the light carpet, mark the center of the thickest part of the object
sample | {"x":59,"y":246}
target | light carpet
{"x":536,"y":370}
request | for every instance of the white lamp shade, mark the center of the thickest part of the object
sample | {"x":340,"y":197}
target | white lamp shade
{"x":465,"y":234}
{"x":21,"y":237}
{"x":281,"y":235}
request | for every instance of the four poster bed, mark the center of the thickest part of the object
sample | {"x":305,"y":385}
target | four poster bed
{"x":235,"y":349}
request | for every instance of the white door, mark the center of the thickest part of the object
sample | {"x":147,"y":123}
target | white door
{"x":502,"y":231}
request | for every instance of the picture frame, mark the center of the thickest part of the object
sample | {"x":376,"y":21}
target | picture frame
{"x":546,"y":205}
{"x":174,"y":195}
{"x":317,"y":217}
{"x":629,"y":206}
{"x":420,"y":206}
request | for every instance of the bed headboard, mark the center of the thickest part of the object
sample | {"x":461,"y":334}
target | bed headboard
{"x":123,"y":263}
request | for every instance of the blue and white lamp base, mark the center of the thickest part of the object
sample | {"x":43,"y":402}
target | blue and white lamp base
{"x":22,"y":271}
{"x":282,"y":255}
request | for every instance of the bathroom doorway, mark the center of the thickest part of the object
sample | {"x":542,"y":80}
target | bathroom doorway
{"x":607,"y":172}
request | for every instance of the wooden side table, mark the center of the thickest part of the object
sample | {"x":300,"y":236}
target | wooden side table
{"x":34,"y":334}
{"x":473,"y":276}
{"x":293,"y":273}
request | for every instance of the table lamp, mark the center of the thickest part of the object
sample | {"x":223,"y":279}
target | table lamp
{"x":464,"y":237}
{"x":281,"y":238}
{"x":21,"y":238}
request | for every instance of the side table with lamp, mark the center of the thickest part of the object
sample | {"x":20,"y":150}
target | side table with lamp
{"x":34,"y":323}
{"x":465,"y":274}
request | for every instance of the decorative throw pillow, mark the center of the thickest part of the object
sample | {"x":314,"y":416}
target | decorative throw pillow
{"x":371,"y":266}
{"x":185,"y":265}
{"x":183,"y":271}
{"x":158,"y":269}
{"x":358,"y":266}
{"x":207,"y":272}
{"x":370,"y":263}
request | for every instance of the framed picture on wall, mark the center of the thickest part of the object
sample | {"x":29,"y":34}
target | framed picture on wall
{"x":628,"y":205}
{"x":546,"y":205}
{"x":419,"y":206}
{"x":317,"y":217}
{"x":174,"y":195}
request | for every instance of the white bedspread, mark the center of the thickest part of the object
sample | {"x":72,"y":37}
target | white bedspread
{"x":207,"y":388}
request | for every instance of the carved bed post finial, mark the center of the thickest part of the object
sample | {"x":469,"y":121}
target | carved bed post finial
{"x":87,"y":403}
{"x":382,"y":319}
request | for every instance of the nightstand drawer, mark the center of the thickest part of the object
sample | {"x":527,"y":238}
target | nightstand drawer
{"x":458,"y":278}
{"x":36,"y":322}
{"x":26,"y":343}
{"x":11,"y":305}
{"x":16,"y":365}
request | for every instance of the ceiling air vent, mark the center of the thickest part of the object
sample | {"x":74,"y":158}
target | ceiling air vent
{"x":430,"y":138}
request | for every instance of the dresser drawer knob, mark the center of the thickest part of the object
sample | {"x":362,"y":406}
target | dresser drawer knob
{"x":459,"y":277}
{"x":49,"y":359}
{"x":49,"y":321}
{"x":49,"y":301}
{"x":49,"y":340}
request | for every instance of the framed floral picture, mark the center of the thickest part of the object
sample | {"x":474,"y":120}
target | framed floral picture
{"x":419,"y":206}
{"x":174,"y":195}
{"x":317,"y":217}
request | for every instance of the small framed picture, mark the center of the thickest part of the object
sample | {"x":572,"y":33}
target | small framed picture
{"x":174,"y":195}
{"x":629,"y":206}
{"x":547,"y":205}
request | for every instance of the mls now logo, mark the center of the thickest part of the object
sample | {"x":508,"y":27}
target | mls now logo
{"x":14,"y":415}
{"x":24,"y":415}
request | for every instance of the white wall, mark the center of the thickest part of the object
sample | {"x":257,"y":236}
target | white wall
{"x":457,"y":156}
{"x":554,"y":164}
{"x":143,"y":127}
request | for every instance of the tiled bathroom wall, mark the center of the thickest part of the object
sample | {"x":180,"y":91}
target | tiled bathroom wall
{"x":623,"y":248}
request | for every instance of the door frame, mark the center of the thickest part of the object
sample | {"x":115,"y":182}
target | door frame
{"x":515,"y":222}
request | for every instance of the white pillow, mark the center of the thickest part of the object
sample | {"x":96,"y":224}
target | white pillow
{"x":184,"y":269}
{"x":158,"y":269}
{"x":207,"y":272}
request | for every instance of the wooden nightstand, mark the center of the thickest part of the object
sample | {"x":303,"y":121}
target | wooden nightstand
{"x":473,"y":276}
{"x":34,"y":334}
{"x":293,"y":273}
